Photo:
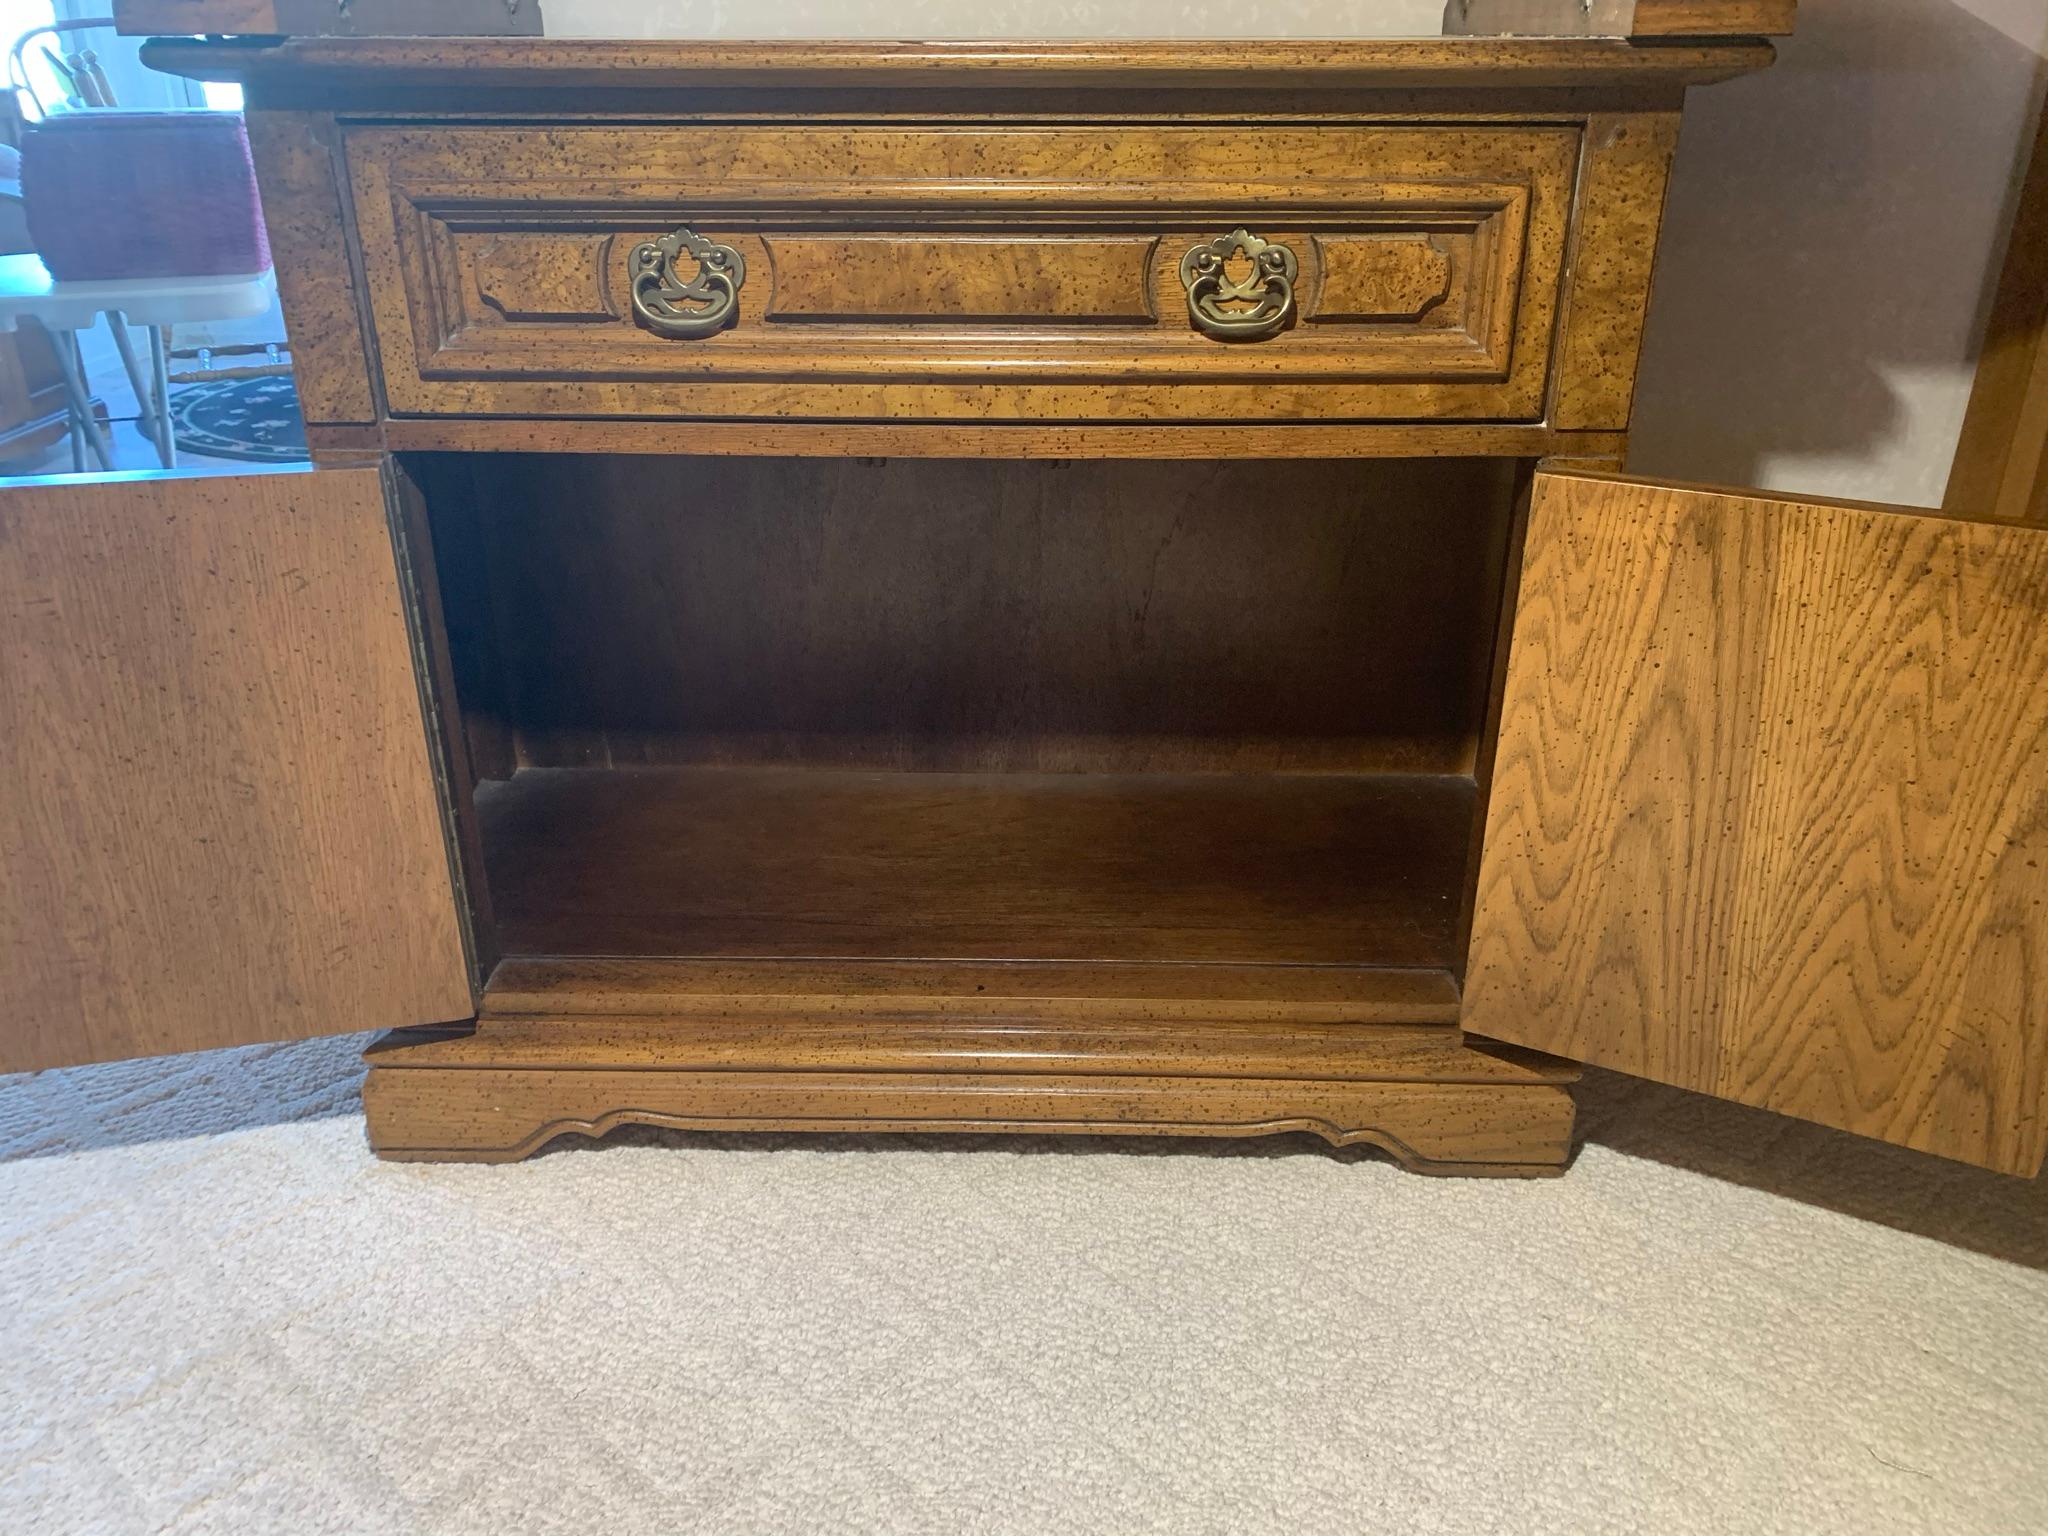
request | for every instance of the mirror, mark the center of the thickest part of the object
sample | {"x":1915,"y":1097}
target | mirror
{"x":943,"y":19}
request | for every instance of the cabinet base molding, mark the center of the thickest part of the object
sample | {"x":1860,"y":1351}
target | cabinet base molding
{"x":883,"y":1056}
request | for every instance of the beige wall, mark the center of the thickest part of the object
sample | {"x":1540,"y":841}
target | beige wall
{"x":1834,"y":229}
{"x":1834,"y":236}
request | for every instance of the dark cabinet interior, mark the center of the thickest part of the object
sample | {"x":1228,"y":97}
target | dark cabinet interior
{"x":957,"y":709}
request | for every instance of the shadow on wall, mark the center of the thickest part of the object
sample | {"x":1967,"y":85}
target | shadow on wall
{"x":1834,"y":236}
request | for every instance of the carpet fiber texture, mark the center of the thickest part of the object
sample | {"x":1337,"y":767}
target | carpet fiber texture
{"x":219,"y":1314}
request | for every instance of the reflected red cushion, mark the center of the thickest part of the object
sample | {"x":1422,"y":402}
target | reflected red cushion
{"x":113,"y":195}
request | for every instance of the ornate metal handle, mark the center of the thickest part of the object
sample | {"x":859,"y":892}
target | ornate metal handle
{"x":660,"y":292}
{"x":1268,"y":289}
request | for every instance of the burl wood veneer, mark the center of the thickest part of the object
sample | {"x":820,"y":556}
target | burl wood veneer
{"x":977,"y":272}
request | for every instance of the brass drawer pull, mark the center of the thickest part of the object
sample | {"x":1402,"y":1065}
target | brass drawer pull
{"x":659,"y":291}
{"x":1268,"y":288}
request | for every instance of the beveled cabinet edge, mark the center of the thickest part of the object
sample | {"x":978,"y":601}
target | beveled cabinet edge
{"x":957,"y":440}
{"x":318,"y":68}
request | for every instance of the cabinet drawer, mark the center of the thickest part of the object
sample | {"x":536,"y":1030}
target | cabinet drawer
{"x":1036,"y":274}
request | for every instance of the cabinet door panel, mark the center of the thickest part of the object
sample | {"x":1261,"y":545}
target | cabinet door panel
{"x":218,"y":816}
{"x":1769,"y":813}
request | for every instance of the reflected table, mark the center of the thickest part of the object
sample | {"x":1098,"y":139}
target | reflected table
{"x":156,"y":303}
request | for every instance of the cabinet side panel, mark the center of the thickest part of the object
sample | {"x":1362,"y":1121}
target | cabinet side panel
{"x":416,"y":481}
{"x":219,"y":823}
{"x":1613,"y":255}
{"x":1770,"y":811}
{"x":300,"y":174}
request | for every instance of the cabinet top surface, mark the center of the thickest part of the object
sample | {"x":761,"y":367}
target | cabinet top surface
{"x":617,"y":64}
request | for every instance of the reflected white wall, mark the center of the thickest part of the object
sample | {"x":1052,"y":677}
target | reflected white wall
{"x":993,"y":18}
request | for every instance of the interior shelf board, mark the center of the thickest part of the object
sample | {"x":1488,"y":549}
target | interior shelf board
{"x":1104,"y":990}
{"x":796,"y":863}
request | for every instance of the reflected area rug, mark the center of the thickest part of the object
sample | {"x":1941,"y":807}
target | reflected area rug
{"x":253,"y":419}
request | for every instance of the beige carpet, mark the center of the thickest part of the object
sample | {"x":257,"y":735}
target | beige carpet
{"x":218,"y":1314}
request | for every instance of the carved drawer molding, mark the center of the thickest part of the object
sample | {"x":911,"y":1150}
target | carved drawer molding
{"x":992,"y":274}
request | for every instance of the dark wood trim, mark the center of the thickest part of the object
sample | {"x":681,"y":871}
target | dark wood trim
{"x":2001,"y":467}
{"x":601,"y":66}
{"x":972,"y":440}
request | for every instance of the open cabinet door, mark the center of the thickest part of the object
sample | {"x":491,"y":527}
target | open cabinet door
{"x":1769,"y":810}
{"x":218,"y":815}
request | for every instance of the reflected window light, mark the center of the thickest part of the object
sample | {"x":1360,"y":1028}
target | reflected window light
{"x":18,"y":17}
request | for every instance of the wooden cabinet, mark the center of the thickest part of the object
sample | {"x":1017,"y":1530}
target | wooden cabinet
{"x":1002,"y":586}
{"x":989,"y":273}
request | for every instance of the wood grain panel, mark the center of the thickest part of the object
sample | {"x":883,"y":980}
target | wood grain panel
{"x":1769,"y":816}
{"x":977,"y":615}
{"x":940,"y":295}
{"x":1048,"y":280}
{"x":219,"y":823}
{"x":1714,"y":18}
